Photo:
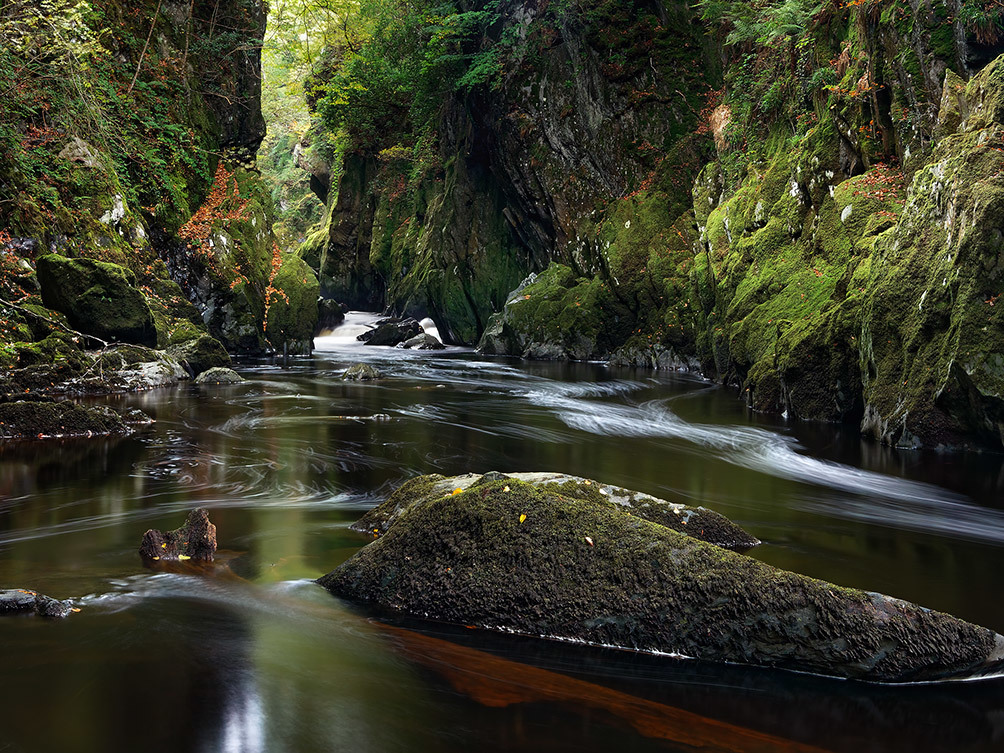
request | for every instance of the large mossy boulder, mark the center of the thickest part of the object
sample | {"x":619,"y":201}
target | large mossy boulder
{"x":699,"y":522}
{"x":98,"y":298}
{"x":509,"y":555}
{"x":292,"y":307}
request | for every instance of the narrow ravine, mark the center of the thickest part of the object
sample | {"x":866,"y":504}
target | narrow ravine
{"x":286,"y":461}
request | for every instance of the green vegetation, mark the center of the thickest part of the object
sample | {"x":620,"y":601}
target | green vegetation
{"x":94,"y":110}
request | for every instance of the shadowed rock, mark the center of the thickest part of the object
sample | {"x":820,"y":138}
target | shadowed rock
{"x":423,"y":341}
{"x":391,"y":332}
{"x":513,"y":556}
{"x":196,"y":540}
{"x":24,"y":601}
{"x":37,"y":419}
{"x":99,"y":298}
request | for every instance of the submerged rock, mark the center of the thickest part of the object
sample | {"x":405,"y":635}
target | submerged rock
{"x":219,"y":375}
{"x":361,"y":372}
{"x":391,"y":332}
{"x":518,"y":557}
{"x":195,"y":540}
{"x":24,"y":601}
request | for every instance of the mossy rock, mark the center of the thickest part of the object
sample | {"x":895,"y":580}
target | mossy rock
{"x":42,"y":419}
{"x":219,"y":375}
{"x":98,"y":298}
{"x":201,"y":353}
{"x":511,"y":556}
{"x":699,"y":522}
{"x":292,"y":308}
{"x":56,"y":348}
{"x":361,"y":372}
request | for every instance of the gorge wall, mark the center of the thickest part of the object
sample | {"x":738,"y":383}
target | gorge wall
{"x":804,"y":201}
{"x":127,"y":140}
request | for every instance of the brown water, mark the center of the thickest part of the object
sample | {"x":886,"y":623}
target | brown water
{"x":267,"y":661}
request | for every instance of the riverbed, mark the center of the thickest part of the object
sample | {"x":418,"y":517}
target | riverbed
{"x":255,"y":657}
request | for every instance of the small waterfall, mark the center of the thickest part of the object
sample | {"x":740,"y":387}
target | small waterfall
{"x":356,"y":322}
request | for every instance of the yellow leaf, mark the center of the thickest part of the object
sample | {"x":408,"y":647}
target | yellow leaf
{"x":458,"y":490}
{"x":505,"y":488}
{"x":522,"y":517}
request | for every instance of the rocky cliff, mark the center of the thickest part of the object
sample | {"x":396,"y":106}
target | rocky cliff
{"x":126,"y":139}
{"x":797,"y":199}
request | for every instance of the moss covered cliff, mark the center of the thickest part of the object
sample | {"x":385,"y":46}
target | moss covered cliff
{"x":796,"y":198}
{"x":125,"y":139}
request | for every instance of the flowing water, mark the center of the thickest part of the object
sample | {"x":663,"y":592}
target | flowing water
{"x":257,"y":658}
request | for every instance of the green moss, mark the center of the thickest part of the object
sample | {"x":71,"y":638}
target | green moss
{"x":506,"y":555}
{"x":292,"y":308}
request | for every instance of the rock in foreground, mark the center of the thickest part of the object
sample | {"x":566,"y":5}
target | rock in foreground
{"x":509,"y":555}
{"x":196,"y":540}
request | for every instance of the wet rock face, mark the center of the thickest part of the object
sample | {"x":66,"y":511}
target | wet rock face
{"x":98,"y":298}
{"x":424,"y":341}
{"x":513,"y":556}
{"x":391,"y":332}
{"x":15,"y":601}
{"x":237,"y":75}
{"x":195,"y":540}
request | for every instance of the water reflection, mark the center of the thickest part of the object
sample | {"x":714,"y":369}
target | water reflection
{"x":262,"y":659}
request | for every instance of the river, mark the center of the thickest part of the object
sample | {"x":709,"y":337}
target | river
{"x":258,"y":658}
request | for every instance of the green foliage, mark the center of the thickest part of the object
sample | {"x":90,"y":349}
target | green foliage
{"x":65,"y":71}
{"x":761,"y":22}
{"x":984,"y":18}
{"x":416,"y":54}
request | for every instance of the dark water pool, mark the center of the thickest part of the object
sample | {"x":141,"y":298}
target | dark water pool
{"x":257,"y":658}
